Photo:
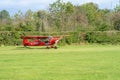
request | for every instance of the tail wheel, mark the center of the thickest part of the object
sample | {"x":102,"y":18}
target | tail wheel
{"x":55,"y":47}
{"x":25,"y":45}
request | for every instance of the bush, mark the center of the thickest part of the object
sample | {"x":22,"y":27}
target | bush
{"x":101,"y":37}
{"x":109,"y":37}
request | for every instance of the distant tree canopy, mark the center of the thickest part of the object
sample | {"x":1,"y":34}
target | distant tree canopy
{"x":63,"y":16}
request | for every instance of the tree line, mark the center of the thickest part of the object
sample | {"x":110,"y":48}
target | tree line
{"x":63,"y":16}
{"x":85,"y":23}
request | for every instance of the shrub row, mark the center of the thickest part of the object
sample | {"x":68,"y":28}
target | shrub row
{"x":110,"y":37}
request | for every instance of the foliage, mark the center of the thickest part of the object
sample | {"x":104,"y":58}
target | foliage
{"x":110,"y":37}
{"x":116,"y":21}
{"x":62,"y":16}
{"x":78,"y":21}
{"x":90,"y":10}
{"x":102,"y":37}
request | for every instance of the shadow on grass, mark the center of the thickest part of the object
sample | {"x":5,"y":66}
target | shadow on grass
{"x":26,"y":48}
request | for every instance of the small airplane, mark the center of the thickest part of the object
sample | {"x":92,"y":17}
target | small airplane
{"x":48,"y":41}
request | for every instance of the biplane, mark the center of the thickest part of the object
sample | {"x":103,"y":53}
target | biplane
{"x":48,"y":41}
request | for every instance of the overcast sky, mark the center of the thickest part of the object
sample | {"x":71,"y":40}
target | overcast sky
{"x":14,"y":5}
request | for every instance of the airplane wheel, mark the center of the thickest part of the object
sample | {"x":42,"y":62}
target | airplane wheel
{"x":48,"y":47}
{"x":25,"y":46}
{"x":55,"y":47}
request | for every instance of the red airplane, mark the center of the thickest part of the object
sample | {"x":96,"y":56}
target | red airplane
{"x":49,"y":41}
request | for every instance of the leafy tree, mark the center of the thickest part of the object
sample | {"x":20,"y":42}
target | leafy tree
{"x":117,"y":8}
{"x":4,"y":15}
{"x":116,"y":21}
{"x":29,"y":20}
{"x":62,"y":16}
{"x":41,"y":20}
{"x":90,"y":10}
{"x":61,"y":12}
{"x":102,"y":23}
{"x":56,"y":10}
{"x":5,"y":20}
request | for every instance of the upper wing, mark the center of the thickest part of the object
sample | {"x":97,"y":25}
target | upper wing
{"x":34,"y":37}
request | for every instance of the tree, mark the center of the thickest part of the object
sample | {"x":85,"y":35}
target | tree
{"x":90,"y":10}
{"x":116,"y":21}
{"x":29,"y":20}
{"x":40,"y":20}
{"x":102,"y":22}
{"x":4,"y":15}
{"x":117,"y":8}
{"x":5,"y":20}
{"x":18,"y":20}
{"x":61,"y":12}
{"x":56,"y":9}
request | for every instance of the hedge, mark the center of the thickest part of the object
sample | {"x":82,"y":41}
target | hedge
{"x":109,"y":37}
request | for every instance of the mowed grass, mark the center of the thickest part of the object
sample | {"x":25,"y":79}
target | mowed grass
{"x":88,"y":62}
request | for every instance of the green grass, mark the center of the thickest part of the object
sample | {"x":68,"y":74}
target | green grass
{"x":90,"y":62}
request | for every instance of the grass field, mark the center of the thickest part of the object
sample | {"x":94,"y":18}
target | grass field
{"x":88,"y":62}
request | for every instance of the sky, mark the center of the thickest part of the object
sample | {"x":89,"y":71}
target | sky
{"x":14,"y":6}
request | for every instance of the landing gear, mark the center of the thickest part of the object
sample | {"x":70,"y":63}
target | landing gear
{"x":55,"y":47}
{"x":25,"y":45}
{"x":48,"y":47}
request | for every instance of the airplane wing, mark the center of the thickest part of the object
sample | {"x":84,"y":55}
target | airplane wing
{"x":34,"y":37}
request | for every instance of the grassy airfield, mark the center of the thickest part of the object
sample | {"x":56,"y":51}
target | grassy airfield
{"x":86,"y":62}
